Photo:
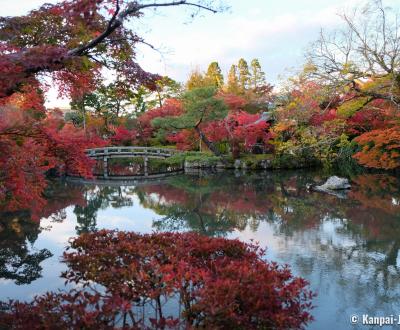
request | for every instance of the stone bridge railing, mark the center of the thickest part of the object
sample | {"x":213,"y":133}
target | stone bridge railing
{"x":107,"y":153}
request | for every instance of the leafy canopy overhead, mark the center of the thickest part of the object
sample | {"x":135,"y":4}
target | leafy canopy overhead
{"x":73,"y":40}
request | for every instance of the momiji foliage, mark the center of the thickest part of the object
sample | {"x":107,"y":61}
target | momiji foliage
{"x":380,"y":148}
{"x":124,"y":136}
{"x":170,"y":108}
{"x":221,"y":121}
{"x":185,"y":139}
{"x":240,"y":128}
{"x":32,"y":147}
{"x":69,"y":42}
{"x":210,"y":278}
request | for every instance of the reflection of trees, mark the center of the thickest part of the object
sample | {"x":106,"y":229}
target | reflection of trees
{"x":17,"y":262}
{"x":222,"y":203}
{"x":366,"y":223}
{"x":359,"y":251}
{"x":99,"y":197}
{"x":353,"y":242}
{"x":201,"y":205}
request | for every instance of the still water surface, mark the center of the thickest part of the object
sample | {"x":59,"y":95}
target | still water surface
{"x":346,"y":246}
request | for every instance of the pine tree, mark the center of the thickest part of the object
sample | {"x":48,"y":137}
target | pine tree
{"x":233,"y":81}
{"x":244,"y":75}
{"x":202,"y":106}
{"x":214,"y":75}
{"x":257,"y":75}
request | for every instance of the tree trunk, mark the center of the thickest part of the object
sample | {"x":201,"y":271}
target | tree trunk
{"x":209,"y":144}
{"x":159,"y":98}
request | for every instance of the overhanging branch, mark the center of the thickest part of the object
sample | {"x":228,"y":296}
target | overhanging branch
{"x":119,"y":17}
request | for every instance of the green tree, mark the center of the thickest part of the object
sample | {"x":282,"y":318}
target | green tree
{"x":201,"y":106}
{"x":166,"y":88}
{"x":233,"y":81}
{"x":109,"y":102}
{"x":244,"y":75}
{"x":257,"y":75}
{"x":196,"y":80}
{"x":214,"y":76}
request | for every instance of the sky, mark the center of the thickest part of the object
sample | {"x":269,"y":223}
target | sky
{"x":276,"y":32}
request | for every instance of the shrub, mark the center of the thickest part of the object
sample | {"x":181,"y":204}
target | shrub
{"x":211,"y":278}
{"x":380,"y":148}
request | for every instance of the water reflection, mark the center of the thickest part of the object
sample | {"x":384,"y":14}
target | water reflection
{"x":17,"y":262}
{"x":347,"y":247}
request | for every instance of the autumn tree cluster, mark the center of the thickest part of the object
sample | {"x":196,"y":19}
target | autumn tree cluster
{"x":341,"y":108}
{"x":206,"y":113}
{"x":68,"y":45}
{"x":209,"y":278}
{"x":343,"y":105}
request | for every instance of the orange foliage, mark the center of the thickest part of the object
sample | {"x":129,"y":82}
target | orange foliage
{"x":380,"y":148}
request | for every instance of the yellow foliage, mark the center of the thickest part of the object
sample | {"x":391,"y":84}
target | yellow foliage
{"x":349,"y":108}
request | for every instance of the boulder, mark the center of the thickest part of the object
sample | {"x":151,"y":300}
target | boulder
{"x":237,"y":164}
{"x":334,"y":183}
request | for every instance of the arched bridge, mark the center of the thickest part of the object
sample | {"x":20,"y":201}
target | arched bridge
{"x":106,"y":153}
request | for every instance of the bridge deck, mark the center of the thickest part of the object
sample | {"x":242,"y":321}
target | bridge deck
{"x":107,"y":153}
{"x":119,"y":152}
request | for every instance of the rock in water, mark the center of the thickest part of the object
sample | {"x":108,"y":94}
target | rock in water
{"x":334,"y":183}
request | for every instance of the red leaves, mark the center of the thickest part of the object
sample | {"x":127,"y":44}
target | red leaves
{"x":376,"y":116}
{"x":212,"y":278}
{"x":30,"y":148}
{"x":124,"y":137}
{"x":318,"y":119}
{"x":171,"y":107}
{"x":240,"y":128}
{"x":74,"y":83}
{"x":185,"y":139}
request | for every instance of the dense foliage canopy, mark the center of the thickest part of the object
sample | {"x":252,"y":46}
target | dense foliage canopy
{"x":209,"y":277}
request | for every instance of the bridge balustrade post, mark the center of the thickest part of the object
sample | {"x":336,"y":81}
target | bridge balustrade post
{"x":146,"y":172}
{"x":105,"y":167}
{"x":105,"y":164}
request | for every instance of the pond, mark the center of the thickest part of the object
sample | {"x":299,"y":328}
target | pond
{"x":346,"y":246}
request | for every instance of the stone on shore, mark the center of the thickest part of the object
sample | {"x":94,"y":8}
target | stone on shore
{"x":334,"y":183}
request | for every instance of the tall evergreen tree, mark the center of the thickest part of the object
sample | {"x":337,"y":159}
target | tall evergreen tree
{"x":244,"y":75}
{"x":233,"y":81}
{"x":196,"y":80}
{"x":214,"y":76}
{"x":257,"y":75}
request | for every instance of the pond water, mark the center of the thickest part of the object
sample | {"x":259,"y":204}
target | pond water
{"x":346,"y":246}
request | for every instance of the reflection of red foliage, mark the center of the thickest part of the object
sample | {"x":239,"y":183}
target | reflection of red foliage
{"x":377,"y":191}
{"x":169,"y":195}
{"x":60,"y":199}
{"x":211,"y":276}
{"x":243,"y":201}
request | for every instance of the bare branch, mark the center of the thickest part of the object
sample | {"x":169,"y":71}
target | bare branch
{"x":119,"y":17}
